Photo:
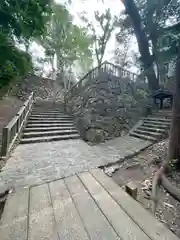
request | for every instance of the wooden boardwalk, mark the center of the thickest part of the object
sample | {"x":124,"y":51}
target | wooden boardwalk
{"x":85,"y":206}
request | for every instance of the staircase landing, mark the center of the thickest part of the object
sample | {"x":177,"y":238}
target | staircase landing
{"x":37,"y":163}
{"x":84,"y":206}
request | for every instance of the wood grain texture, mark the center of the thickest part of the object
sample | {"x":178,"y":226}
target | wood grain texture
{"x":146,"y":221}
{"x":41,"y":216}
{"x":69,"y":224}
{"x":121,"y":222}
{"x":95,"y":222}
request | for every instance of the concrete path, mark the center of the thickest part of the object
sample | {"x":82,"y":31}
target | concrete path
{"x":38,"y":163}
{"x":84,"y":206}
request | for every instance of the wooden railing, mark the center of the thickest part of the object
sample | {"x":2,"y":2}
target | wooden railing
{"x":118,"y":71}
{"x":14,"y":127}
{"x":105,"y":67}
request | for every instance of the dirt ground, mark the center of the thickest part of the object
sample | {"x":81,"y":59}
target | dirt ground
{"x":140,"y":171}
{"x":8,"y":108}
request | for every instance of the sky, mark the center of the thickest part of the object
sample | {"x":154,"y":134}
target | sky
{"x":88,"y":6}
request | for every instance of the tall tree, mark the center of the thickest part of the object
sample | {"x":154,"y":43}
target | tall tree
{"x":101,"y":30}
{"x":64,"y":42}
{"x":143,"y":44}
{"x":174,"y":139}
{"x":155,"y":15}
{"x":154,"y":18}
{"x":123,"y":50}
{"x":173,"y":149}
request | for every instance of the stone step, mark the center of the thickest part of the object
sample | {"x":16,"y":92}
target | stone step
{"x":161,"y":116}
{"x":165,"y":111}
{"x":148,"y":133}
{"x":159,"y":126}
{"x":46,"y":129}
{"x":157,"y":119}
{"x":41,"y":118}
{"x":47,"y":109}
{"x":141,"y":136}
{"x":156,"y":122}
{"x":50,"y":133}
{"x":153,"y":129}
{"x":38,"y":121}
{"x":39,"y":114}
{"x":36,"y":111}
{"x":49,"y":138}
{"x":47,"y":104}
{"x":47,"y":113}
{"x":46,"y":125}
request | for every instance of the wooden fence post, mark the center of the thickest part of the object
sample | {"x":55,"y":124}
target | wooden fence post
{"x":5,"y":141}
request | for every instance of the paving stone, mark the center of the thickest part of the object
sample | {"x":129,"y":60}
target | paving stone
{"x":42,"y":162}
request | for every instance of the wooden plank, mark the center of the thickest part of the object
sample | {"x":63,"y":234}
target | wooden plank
{"x":19,"y":113}
{"x":12,"y":122}
{"x":94,"y":221}
{"x":13,"y":223}
{"x":69,"y":224}
{"x":41,"y":216}
{"x":150,"y":225}
{"x":121,"y":222}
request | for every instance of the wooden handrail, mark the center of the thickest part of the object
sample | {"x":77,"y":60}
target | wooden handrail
{"x":117,"y":70}
{"x":13,"y":129}
{"x":82,"y":79}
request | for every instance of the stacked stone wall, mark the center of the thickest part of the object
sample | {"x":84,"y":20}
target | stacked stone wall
{"x":106,"y":107}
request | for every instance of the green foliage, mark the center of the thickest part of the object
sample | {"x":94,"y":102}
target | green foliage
{"x":13,"y":61}
{"x":169,"y":43}
{"x":19,"y":22}
{"x":155,"y":17}
{"x":25,"y":18}
{"x":66,"y":41}
{"x":101,"y":31}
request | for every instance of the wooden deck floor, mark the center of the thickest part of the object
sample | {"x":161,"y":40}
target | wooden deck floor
{"x":84,"y":206}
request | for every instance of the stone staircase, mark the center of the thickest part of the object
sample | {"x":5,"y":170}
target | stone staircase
{"x":48,"y":124}
{"x":154,"y":127}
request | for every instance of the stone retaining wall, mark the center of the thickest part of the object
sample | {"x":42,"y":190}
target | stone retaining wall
{"x":106,"y":107}
{"x":43,"y":88}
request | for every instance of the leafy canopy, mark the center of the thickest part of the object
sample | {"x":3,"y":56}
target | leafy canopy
{"x":64,"y":40}
{"x":19,"y":22}
{"x":101,"y":30}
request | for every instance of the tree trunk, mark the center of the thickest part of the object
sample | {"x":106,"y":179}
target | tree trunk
{"x":174,"y":140}
{"x":54,"y":79}
{"x":173,"y":149}
{"x":143,"y":44}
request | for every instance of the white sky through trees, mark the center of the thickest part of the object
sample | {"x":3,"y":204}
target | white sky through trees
{"x":89,"y":6}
